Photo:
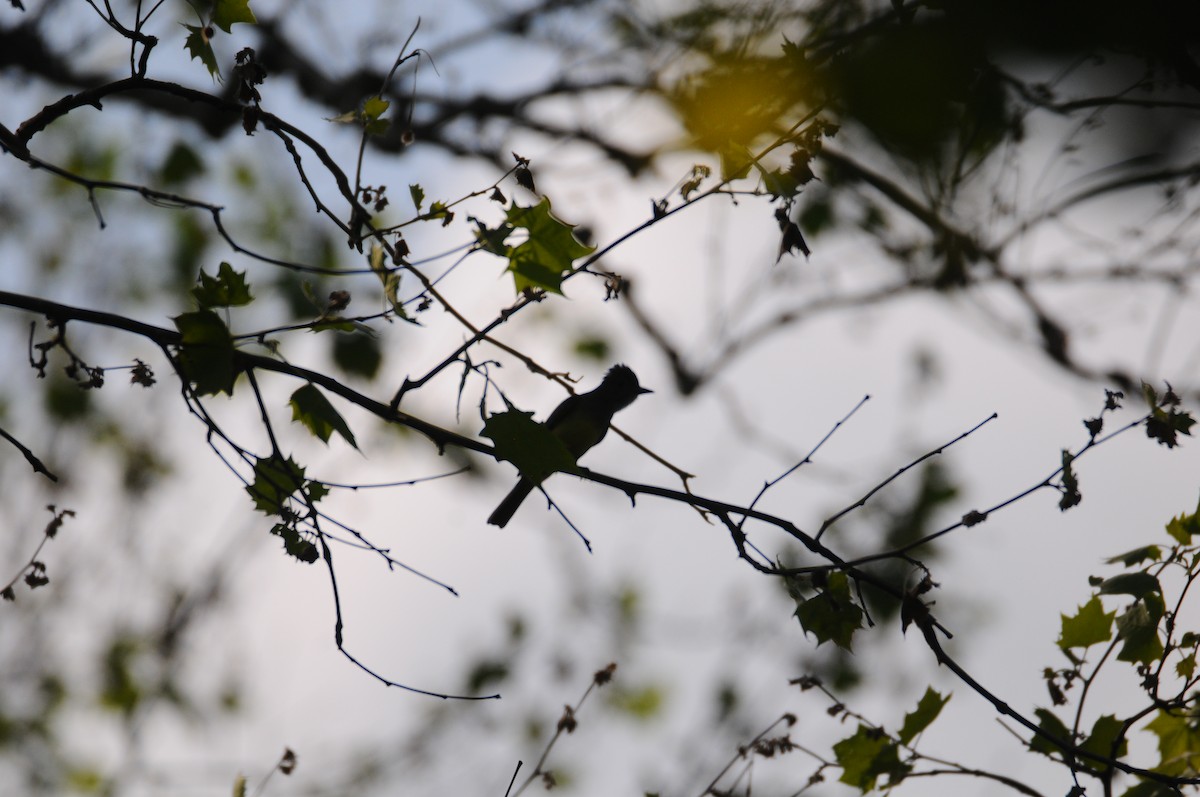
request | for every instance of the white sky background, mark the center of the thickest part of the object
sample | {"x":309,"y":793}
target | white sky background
{"x":704,"y":612}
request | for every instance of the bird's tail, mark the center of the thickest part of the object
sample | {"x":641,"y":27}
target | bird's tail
{"x":508,"y":507}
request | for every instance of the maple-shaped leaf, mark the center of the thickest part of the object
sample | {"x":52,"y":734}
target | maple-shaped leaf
{"x":199,"y":45}
{"x":275,"y":481}
{"x":1178,"y":743}
{"x":867,"y":755}
{"x":548,"y":254}
{"x":227,"y":289}
{"x":831,"y":614}
{"x":926,"y":712}
{"x":1054,"y":728}
{"x":295,"y":544}
{"x":1090,"y":626}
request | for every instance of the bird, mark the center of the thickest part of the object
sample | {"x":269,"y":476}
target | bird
{"x":580,"y":421}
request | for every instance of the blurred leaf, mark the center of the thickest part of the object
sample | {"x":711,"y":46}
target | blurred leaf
{"x":86,"y":780}
{"x":66,"y":401}
{"x":1049,"y":722}
{"x":227,"y":13}
{"x":189,"y":240}
{"x":816,"y":217}
{"x":357,"y":354}
{"x":1184,"y":527}
{"x":486,"y":674}
{"x":927,"y":711}
{"x":1106,"y":732}
{"x":120,"y":689}
{"x":181,"y":164}
{"x":867,"y":755}
{"x":1149,"y":788}
{"x":1137,"y":556}
{"x":735,"y":99}
{"x":1135,"y":584}
{"x":1138,"y":627}
{"x":643,"y":703}
{"x":593,"y":348}
{"x":921,"y":87}
{"x":389,"y":278}
{"x":1178,"y":744}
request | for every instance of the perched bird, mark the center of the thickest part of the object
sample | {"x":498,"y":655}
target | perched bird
{"x":581,"y":422}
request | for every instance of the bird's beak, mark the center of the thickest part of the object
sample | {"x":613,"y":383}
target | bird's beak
{"x":642,"y":390}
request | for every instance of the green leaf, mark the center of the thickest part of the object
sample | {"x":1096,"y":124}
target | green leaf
{"x":1089,"y":626}
{"x":198,"y":46}
{"x":227,"y":13}
{"x":548,"y":254}
{"x":1070,"y":483}
{"x":831,"y":614}
{"x":1139,"y":628}
{"x":736,"y":161}
{"x":373,"y":110}
{"x":295,"y":544}
{"x":927,"y":711}
{"x":227,"y":289}
{"x":535,"y":450}
{"x":1138,"y":555}
{"x":1135,"y":584}
{"x":206,"y":352}
{"x":121,"y":689}
{"x":1184,"y":527}
{"x":1149,"y":788}
{"x":1178,"y":744}
{"x":181,"y":164}
{"x":1186,"y":666}
{"x":418,"y":196}
{"x":358,"y":354}
{"x":439,"y":210}
{"x":1106,"y":732}
{"x":866,"y":755}
{"x":311,"y":408}
{"x":333,"y":325}
{"x":275,"y":481}
{"x":1049,"y":722}
{"x":85,"y":780}
{"x":315,"y":491}
{"x":643,"y":703}
{"x":493,"y":240}
{"x":390,"y":278}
